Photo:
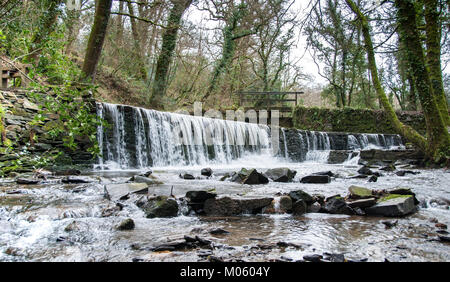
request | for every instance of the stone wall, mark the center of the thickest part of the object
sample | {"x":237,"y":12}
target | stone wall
{"x":353,"y":120}
{"x":26,"y":145}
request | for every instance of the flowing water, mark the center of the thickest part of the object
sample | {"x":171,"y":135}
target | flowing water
{"x":57,"y":222}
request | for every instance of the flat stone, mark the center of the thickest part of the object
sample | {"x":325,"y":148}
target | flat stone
{"x":400,"y":205}
{"x":316,"y":179}
{"x":116,"y":191}
{"x":30,"y":106}
{"x":362,"y":203}
{"x":357,"y":192}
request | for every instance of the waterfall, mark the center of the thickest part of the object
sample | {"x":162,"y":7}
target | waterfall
{"x":318,"y":147}
{"x":138,"y":138}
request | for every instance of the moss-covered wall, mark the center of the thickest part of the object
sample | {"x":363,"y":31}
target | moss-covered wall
{"x":352,"y":120}
{"x":24,"y":145}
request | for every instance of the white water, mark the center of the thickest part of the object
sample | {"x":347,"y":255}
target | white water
{"x":140,"y":138}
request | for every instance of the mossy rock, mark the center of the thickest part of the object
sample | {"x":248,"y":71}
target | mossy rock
{"x":357,"y":192}
{"x":160,"y":206}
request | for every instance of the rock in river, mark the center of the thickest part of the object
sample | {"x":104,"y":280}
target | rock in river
{"x":316,"y":179}
{"x":301,"y":195}
{"x":393,"y":205}
{"x":356,"y":192}
{"x":249,"y":176}
{"x":337,"y":205}
{"x":116,"y":192}
{"x":160,"y":206}
{"x":206,"y":172}
{"x":127,"y":224}
{"x":227,"y":206}
{"x":282,"y":174}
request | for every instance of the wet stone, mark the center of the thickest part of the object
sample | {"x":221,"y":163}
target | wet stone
{"x":206,"y":172}
{"x":127,"y":224}
{"x":318,"y":179}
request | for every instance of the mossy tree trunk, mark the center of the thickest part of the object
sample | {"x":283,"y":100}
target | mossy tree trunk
{"x":406,"y":131}
{"x":433,"y":56}
{"x":169,"y":40}
{"x":96,"y":39}
{"x":437,"y":134}
{"x":436,"y":145}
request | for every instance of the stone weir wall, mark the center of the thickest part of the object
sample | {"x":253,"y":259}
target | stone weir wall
{"x":353,"y":120}
{"x":24,"y":144}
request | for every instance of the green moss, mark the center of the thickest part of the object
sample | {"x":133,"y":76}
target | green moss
{"x":352,"y":120}
{"x":393,"y":196}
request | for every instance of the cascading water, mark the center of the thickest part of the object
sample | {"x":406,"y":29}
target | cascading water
{"x":139,"y":138}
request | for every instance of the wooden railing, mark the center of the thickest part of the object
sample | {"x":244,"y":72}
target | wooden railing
{"x":12,"y":72}
{"x":269,"y":100}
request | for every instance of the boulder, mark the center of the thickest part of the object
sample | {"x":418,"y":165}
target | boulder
{"x":337,"y":205}
{"x":356,"y":192}
{"x":299,"y":207}
{"x":115,"y":192}
{"x":365,"y":170}
{"x":199,"y":196}
{"x":316,"y":179}
{"x":281,"y":174}
{"x":160,"y":206}
{"x":250,"y":177}
{"x":187,"y":176}
{"x":127,"y":224}
{"x":206,"y":172}
{"x":196,"y":199}
{"x":301,"y":195}
{"x":227,"y":206}
{"x":393,"y":205}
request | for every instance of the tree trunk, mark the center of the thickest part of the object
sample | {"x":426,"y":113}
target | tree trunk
{"x":406,"y":131}
{"x":96,"y":39}
{"x":169,"y":40}
{"x":433,"y":43}
{"x":438,"y":136}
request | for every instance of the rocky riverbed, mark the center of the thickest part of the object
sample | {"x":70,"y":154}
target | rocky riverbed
{"x":107,"y":216}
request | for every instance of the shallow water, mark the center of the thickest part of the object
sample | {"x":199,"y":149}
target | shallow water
{"x":33,"y":220}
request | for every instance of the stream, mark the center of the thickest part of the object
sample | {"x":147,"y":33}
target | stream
{"x":67,"y":222}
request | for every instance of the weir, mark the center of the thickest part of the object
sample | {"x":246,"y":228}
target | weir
{"x":138,"y":138}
